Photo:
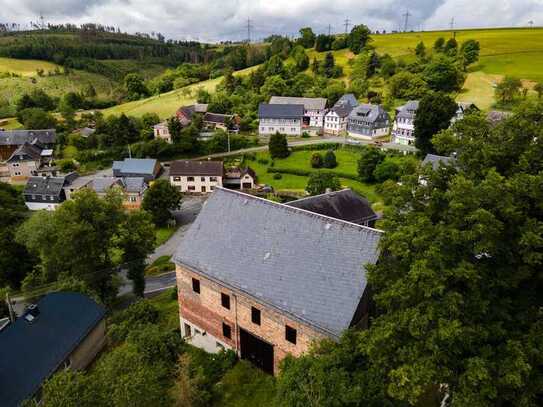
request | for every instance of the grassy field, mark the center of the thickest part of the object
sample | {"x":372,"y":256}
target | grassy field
{"x":163,"y":234}
{"x":347,"y":163}
{"x":166,"y":104}
{"x":26,"y":67}
{"x":57,"y":85}
{"x":515,"y":52}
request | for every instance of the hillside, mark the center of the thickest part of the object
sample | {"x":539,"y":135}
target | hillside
{"x":513,"y":51}
{"x":166,"y":104}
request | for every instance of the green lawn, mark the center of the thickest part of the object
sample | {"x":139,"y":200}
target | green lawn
{"x":347,"y":163}
{"x":163,"y":234}
{"x":168,"y":307}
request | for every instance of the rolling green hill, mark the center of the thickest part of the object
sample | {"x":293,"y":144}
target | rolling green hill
{"x":510,"y":51}
{"x":166,"y":104}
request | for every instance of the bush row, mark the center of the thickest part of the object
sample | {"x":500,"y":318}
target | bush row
{"x":307,"y":173}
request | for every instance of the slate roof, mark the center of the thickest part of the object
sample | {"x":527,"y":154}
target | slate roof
{"x":308,"y":103}
{"x":303,"y":264}
{"x":190,"y":167}
{"x":103,"y":184}
{"x":217,"y":117}
{"x":496,"y":116}
{"x":135,"y":166}
{"x":408,"y":110}
{"x":345,"y":205}
{"x":436,"y":160}
{"x":30,"y":150}
{"x":31,"y":352}
{"x":45,"y":185}
{"x":348,"y":98}
{"x":134,"y":184}
{"x":18,"y":137}
{"x":283,"y":111}
{"x":343,"y":110}
{"x":367,"y":112}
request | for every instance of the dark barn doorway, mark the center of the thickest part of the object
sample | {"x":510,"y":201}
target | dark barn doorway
{"x":257,"y":351}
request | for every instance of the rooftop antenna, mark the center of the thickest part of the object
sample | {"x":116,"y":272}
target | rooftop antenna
{"x":347,"y":24}
{"x":406,"y":15}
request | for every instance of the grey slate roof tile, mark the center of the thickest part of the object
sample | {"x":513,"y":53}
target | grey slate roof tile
{"x":304,"y":264}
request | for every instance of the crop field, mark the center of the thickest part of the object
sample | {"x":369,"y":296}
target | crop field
{"x":166,"y":104}
{"x":25,"y":67}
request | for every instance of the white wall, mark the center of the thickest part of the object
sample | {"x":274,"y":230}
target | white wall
{"x":200,"y":338}
{"x":183,"y":183}
{"x":291,"y":127}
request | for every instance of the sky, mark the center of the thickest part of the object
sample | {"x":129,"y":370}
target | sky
{"x":216,"y":20}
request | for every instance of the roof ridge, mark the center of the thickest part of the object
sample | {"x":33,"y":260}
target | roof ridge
{"x":304,"y":211}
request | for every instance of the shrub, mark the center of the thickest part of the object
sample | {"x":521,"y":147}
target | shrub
{"x":263,"y":161}
{"x":316,"y":160}
{"x":277,"y":176}
{"x":329,"y":160}
{"x":305,"y":134}
{"x":320,"y":181}
{"x":386,"y":170}
{"x":369,"y":160}
{"x":278,"y":146}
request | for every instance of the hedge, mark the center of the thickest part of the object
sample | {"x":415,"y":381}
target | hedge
{"x":307,"y":173}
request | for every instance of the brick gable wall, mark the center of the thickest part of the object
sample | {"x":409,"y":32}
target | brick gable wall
{"x":205,"y":311}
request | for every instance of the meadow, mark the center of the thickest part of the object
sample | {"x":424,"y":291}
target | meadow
{"x":26,"y":67}
{"x":166,"y":104}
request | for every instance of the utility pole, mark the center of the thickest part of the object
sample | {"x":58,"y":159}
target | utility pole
{"x":406,"y":16}
{"x":347,"y":24}
{"x":329,"y":29}
{"x":10,"y":308}
{"x":452,"y":23}
{"x":249,"y":27}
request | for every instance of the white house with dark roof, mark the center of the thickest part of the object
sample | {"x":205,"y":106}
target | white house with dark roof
{"x":280,"y":118}
{"x":314,"y":111}
{"x":335,"y":121}
{"x":47,"y":192}
{"x":368,"y":122}
{"x":267,"y":279}
{"x":404,"y":123}
{"x":192,"y":176}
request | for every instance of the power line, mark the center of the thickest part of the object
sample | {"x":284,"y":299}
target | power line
{"x":347,"y":24}
{"x":406,"y":15}
{"x":249,"y":27}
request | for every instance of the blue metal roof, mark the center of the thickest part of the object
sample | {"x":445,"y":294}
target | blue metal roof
{"x":136,"y":166}
{"x":31,"y":351}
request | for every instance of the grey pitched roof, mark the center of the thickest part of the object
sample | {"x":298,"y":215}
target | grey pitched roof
{"x":303,"y":264}
{"x":342,"y":110}
{"x":135,"y":166}
{"x":408,"y":110}
{"x":31,"y":352}
{"x":287,"y":111}
{"x":44,"y":185}
{"x":103,"y":184}
{"x":437,"y":160}
{"x":191,"y":167}
{"x":367,"y":112}
{"x":86,"y":131}
{"x":348,"y":98}
{"x":134,"y":184}
{"x":30,"y":151}
{"x":308,"y":103}
{"x":18,"y":137}
{"x":345,"y":205}
{"x":217,"y":117}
